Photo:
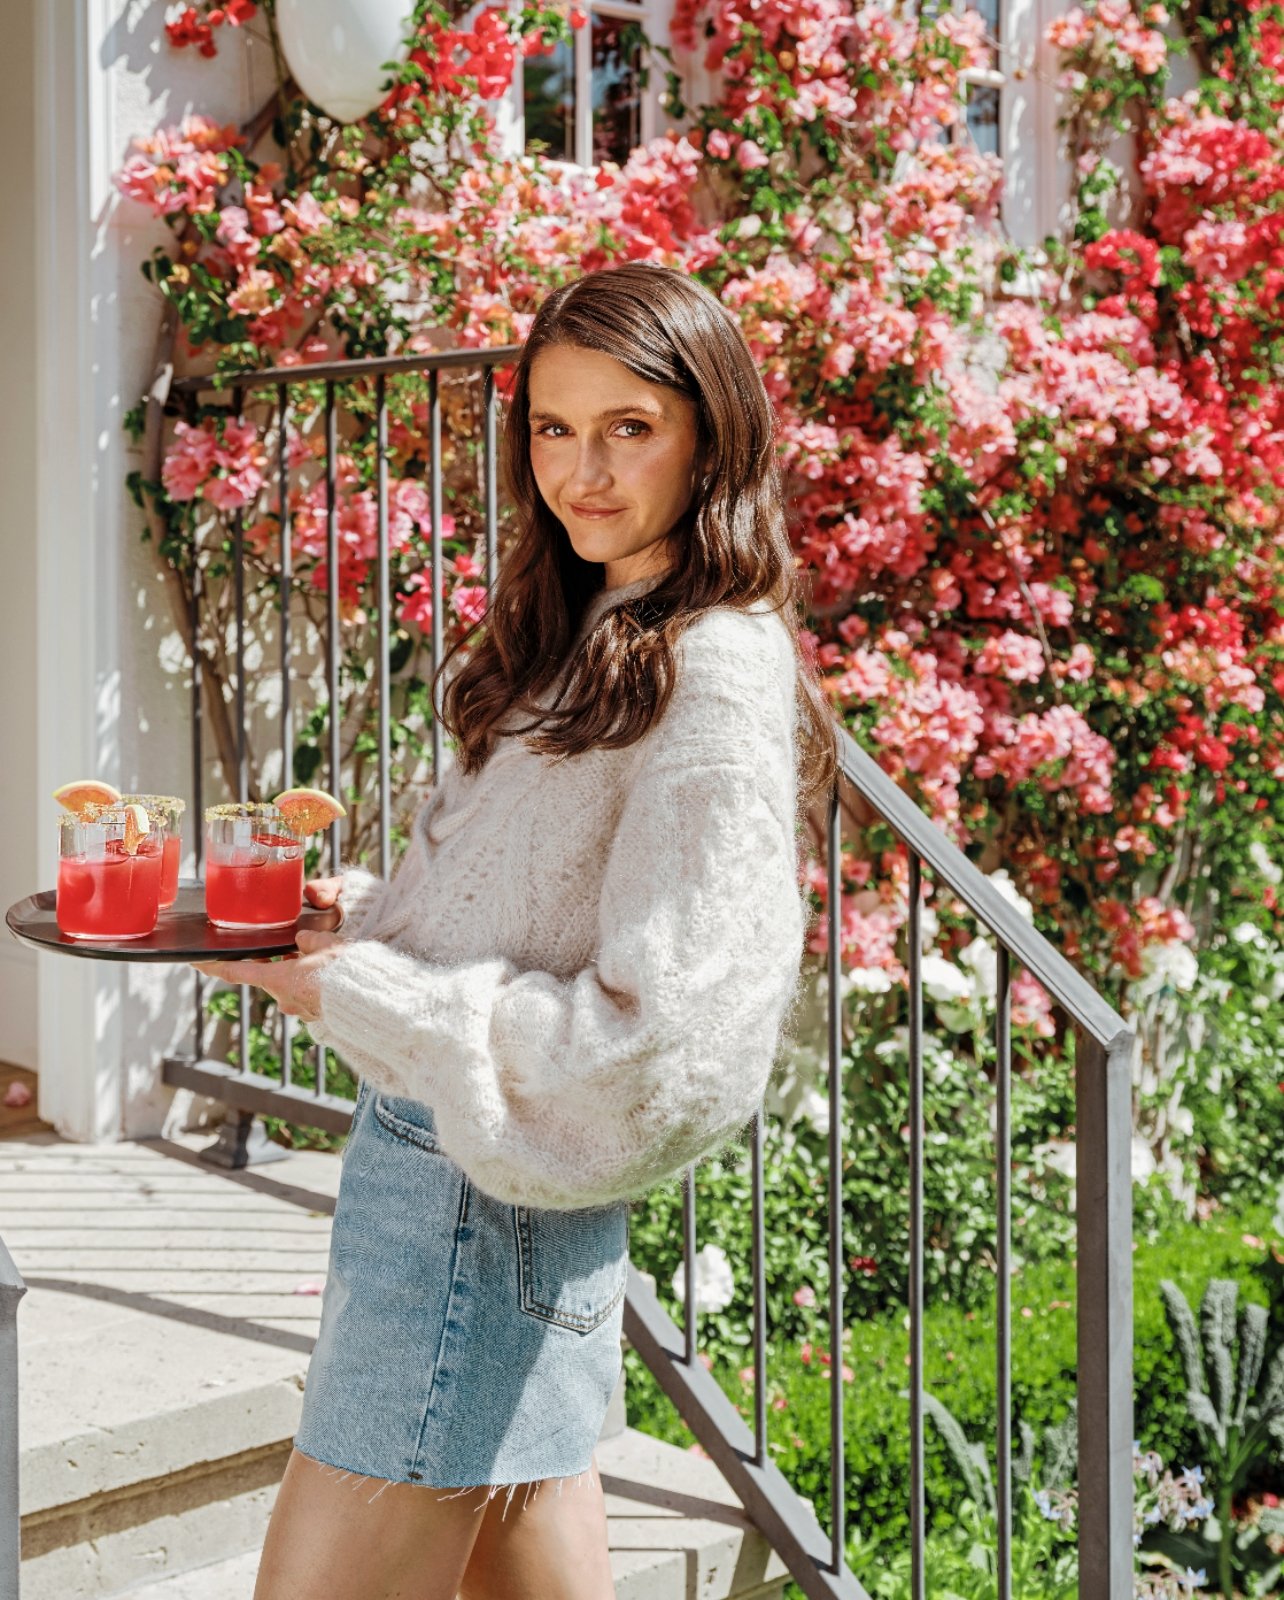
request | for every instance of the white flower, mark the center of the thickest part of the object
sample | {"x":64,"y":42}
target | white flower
{"x":813,"y":1109}
{"x":866,"y":980}
{"x":714,"y":1285}
{"x":1003,"y":883}
{"x":1248,"y":933}
{"x":1169,"y":965}
{"x":944,"y":982}
{"x":1260,"y":856}
{"x":981,"y":961}
{"x":748,"y":226}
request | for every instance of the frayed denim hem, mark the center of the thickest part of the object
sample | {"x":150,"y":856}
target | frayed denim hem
{"x":486,"y":1492}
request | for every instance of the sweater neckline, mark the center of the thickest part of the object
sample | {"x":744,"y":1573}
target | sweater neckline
{"x":603,"y":600}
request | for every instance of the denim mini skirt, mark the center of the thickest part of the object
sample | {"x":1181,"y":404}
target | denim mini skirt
{"x":463,"y":1341}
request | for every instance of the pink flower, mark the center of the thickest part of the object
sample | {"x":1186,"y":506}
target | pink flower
{"x":469,"y":603}
{"x":188,"y":462}
{"x":416,"y":608}
{"x":806,"y":1296}
{"x":751,"y":155}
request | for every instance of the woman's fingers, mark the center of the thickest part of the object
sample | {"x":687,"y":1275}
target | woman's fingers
{"x":323,"y":892}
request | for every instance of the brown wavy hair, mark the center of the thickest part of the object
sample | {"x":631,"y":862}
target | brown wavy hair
{"x":730,"y":548}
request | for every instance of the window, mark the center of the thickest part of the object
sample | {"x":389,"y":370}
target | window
{"x":585,"y":102}
{"x":984,"y":85}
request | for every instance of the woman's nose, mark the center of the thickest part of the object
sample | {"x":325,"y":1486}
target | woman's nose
{"x":590,"y":473}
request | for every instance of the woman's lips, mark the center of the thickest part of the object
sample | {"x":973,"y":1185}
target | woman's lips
{"x":597,"y":511}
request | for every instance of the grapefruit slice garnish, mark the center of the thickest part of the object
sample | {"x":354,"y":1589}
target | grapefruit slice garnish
{"x":308,"y":810}
{"x":77,"y":797}
{"x":137,"y":827}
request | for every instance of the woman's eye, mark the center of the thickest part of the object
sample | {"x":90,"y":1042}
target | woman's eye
{"x":639,"y":425}
{"x":549,"y":428}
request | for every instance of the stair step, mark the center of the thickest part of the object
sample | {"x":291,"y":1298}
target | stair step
{"x":676,"y":1531}
{"x":163,"y":1350}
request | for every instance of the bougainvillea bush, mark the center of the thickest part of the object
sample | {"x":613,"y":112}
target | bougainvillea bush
{"x":1036,"y":499}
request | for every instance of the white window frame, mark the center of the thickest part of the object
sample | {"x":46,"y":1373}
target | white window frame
{"x":1037,"y":176}
{"x":654,"y":17}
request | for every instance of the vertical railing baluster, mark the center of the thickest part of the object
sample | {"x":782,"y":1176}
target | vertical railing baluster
{"x":688,"y":1263}
{"x":490,"y":406}
{"x":12,"y":1290}
{"x":759,"y":1291}
{"x":1103,"y":1220}
{"x":283,"y":597}
{"x":917,"y":1504}
{"x":195,"y":595}
{"x":331,"y":640}
{"x":1003,"y":1374}
{"x":837,"y":1443}
{"x":382,"y":627}
{"x":332,"y":615}
{"x":434,"y":473}
{"x":245,"y":1000}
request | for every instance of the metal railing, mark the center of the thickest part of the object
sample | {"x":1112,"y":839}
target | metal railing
{"x":12,"y":1290}
{"x":1102,"y":1086}
{"x":246,"y":1092}
{"x":1103,"y":1113}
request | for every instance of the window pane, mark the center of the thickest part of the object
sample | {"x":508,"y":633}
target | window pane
{"x":617,"y":88}
{"x":983,"y":119}
{"x":548,"y":89}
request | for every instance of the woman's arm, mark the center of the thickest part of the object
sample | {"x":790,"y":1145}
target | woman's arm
{"x":569,"y":1092}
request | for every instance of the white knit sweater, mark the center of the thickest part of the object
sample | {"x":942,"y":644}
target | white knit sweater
{"x":584,"y":966}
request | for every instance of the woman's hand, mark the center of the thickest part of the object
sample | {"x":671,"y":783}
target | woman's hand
{"x":324,"y":892}
{"x":293,"y":981}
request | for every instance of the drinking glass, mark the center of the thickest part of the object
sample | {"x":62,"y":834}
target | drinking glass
{"x":169,"y":809}
{"x":253,"y":867}
{"x":104,"y":892}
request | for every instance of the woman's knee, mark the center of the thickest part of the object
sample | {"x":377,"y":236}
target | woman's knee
{"x":351,"y":1537}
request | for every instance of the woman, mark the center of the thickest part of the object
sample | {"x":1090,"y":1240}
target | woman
{"x":575,"y":983}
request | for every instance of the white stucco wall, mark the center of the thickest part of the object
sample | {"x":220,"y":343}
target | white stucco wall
{"x":18,"y":533}
{"x":113,"y":701}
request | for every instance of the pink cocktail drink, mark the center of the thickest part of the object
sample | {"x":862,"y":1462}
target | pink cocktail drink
{"x":104,"y":892}
{"x":169,"y":872}
{"x":266,"y":893}
{"x":166,"y":810}
{"x":253,"y":868}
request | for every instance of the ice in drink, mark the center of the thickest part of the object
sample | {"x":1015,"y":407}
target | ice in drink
{"x":109,"y":877}
{"x":169,"y":809}
{"x":253,"y":868}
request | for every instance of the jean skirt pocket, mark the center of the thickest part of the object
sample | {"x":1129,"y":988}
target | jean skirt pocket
{"x":408,"y":1120}
{"x":572,"y":1265}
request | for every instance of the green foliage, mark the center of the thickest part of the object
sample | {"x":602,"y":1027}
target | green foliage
{"x":1238,"y":1415}
{"x":960,"y":1366}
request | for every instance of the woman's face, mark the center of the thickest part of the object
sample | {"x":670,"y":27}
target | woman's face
{"x":614,"y":458}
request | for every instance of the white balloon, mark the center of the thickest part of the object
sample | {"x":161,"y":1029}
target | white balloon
{"x":336,"y":50}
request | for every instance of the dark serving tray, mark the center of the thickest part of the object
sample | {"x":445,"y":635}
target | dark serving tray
{"x":182,"y":932}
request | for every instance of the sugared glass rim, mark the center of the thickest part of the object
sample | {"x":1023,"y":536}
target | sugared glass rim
{"x":246,"y":808}
{"x":100,"y":814}
{"x":173,"y":802}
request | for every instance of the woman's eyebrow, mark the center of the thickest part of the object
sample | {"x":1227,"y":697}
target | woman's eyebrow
{"x":646,"y":409}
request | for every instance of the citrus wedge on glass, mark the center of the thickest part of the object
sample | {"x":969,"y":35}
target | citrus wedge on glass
{"x":137,"y":827}
{"x":79,"y":796}
{"x":308,"y":810}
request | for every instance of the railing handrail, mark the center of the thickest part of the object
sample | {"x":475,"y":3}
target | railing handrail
{"x":351,"y":369}
{"x":1064,"y":982}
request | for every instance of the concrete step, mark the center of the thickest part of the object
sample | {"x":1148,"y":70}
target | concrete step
{"x":676,"y":1532}
{"x":163,"y":1347}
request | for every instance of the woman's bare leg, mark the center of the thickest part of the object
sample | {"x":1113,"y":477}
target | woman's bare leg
{"x":543,"y":1544}
{"x":342,"y":1537}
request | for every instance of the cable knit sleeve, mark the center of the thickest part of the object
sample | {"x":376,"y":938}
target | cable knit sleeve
{"x":565,"y":1092}
{"x":359,"y":896}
